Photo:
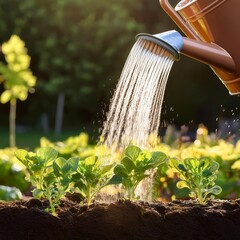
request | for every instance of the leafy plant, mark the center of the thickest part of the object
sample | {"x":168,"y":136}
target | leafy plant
{"x":198,"y":175}
{"x":133,"y":168}
{"x":49,"y":174}
{"x":91,"y":177}
{"x":17,"y":78}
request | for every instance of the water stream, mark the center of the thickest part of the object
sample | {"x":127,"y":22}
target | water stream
{"x":135,"y":108}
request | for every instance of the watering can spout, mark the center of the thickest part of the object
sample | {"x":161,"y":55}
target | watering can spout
{"x":208,"y":53}
{"x":212,"y":37}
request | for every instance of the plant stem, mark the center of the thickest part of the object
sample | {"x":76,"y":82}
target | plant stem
{"x":12,"y":122}
{"x":89,"y":196}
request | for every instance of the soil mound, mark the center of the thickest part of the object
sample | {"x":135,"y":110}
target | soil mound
{"x":122,"y":220}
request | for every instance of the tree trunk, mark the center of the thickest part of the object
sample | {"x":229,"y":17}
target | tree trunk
{"x":12,"y":123}
{"x":59,"y":113}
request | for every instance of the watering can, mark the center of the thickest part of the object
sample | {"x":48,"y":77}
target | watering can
{"x":212,"y":28}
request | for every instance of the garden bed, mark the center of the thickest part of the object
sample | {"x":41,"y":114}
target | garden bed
{"x":122,"y":220}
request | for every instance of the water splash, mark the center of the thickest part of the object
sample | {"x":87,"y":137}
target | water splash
{"x":135,"y":109}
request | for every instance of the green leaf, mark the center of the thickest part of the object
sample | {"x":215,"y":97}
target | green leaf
{"x":36,"y":168}
{"x":116,"y":179}
{"x":21,"y":156}
{"x":173,"y":163}
{"x":214,"y":167}
{"x":182,"y":184}
{"x":106,"y":168}
{"x":215,"y":190}
{"x":90,"y":160}
{"x":158,"y":158}
{"x":192,"y":195}
{"x":182,"y":167}
{"x":58,"y":166}
{"x":121,"y":171}
{"x":37,"y":193}
{"x":50,"y":178}
{"x":206,"y":173}
{"x":132,"y":152}
{"x":47,"y":154}
{"x":128,"y":164}
{"x":73,"y":162}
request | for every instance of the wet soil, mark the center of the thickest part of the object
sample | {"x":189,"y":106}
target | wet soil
{"x":125,"y":220}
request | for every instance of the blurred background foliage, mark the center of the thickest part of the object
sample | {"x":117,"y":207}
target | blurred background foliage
{"x":78,"y":49}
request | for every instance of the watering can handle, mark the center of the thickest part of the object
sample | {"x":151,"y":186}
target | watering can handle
{"x":184,"y":26}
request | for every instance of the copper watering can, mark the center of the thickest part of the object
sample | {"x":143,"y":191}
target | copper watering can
{"x":212,"y":28}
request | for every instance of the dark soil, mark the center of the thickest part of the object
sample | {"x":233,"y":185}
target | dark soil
{"x":123,"y":220}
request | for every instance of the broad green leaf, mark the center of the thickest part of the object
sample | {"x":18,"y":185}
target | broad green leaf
{"x":201,"y":164}
{"x":67,"y":170}
{"x":73,"y":162}
{"x":206,"y":173}
{"x":36,"y":168}
{"x":191,"y":163}
{"x":65,"y":183}
{"x":158,"y":158}
{"x":60,"y":162}
{"x":58,"y":166}
{"x":80,"y":184}
{"x":76,"y":177}
{"x":121,"y":171}
{"x":106,"y":168}
{"x":128,"y":164}
{"x":47,"y":154}
{"x":182,"y":184}
{"x":173,"y":163}
{"x":116,"y":179}
{"x":182,"y":167}
{"x":21,"y":156}
{"x":132,"y":152}
{"x":50,"y":178}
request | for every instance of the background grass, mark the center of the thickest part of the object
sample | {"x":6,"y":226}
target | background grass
{"x":31,"y":139}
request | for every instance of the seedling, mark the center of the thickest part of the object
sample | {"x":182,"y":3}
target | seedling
{"x":198,"y":175}
{"x":50,"y":175}
{"x":91,"y":177}
{"x":133,"y":168}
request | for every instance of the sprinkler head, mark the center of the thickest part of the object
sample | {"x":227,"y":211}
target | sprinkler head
{"x":172,"y":41}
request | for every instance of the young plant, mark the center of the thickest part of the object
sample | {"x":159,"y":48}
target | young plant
{"x":49,"y":175}
{"x":133,"y":168}
{"x":198,"y":175}
{"x":91,"y":177}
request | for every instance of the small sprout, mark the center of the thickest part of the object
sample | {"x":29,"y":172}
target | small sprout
{"x":50,"y":175}
{"x":91,"y":176}
{"x":133,"y":168}
{"x":198,"y":175}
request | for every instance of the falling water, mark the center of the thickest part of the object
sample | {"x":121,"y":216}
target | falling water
{"x":136,"y":105}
